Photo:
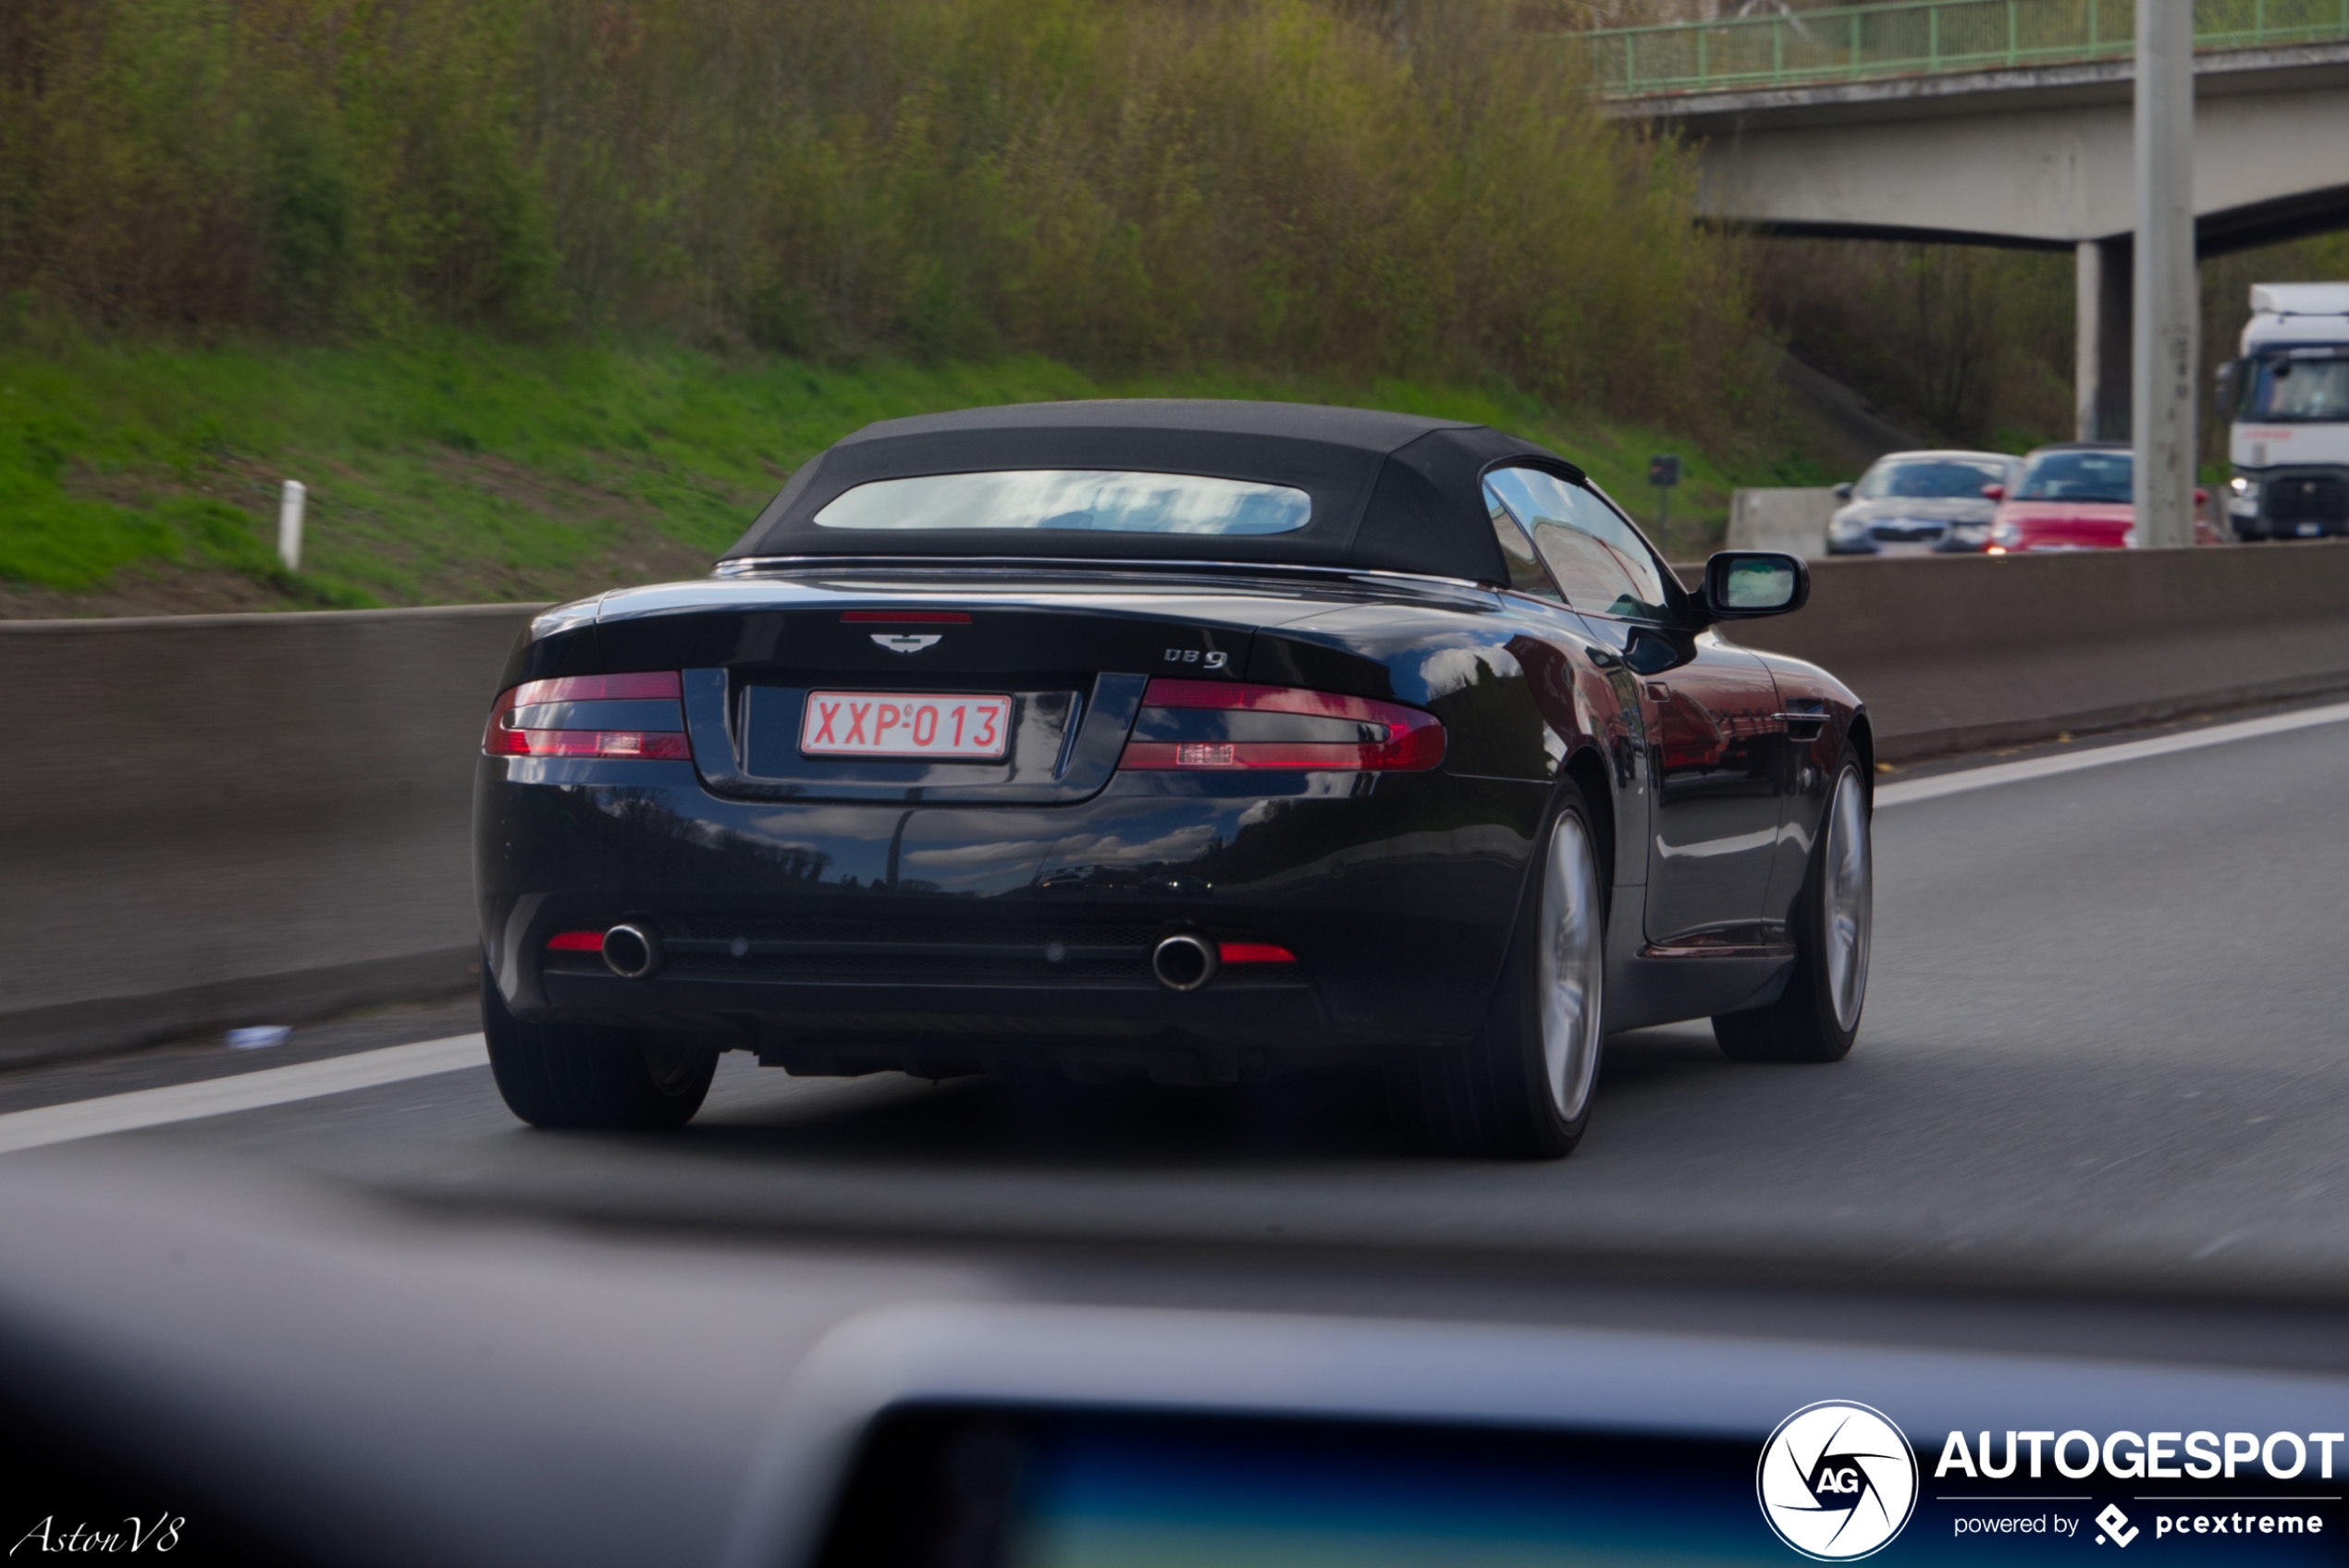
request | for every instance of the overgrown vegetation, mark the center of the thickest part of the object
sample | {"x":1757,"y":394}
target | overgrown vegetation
{"x":1297,"y":186}
{"x":1959,"y":343}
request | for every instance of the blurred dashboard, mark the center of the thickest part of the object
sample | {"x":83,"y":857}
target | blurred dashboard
{"x":313,"y":1375}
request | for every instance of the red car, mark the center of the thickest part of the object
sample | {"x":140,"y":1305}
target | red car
{"x":2076,"y":496}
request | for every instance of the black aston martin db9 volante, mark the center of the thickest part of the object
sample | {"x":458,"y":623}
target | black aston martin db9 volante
{"x":1181,"y":740}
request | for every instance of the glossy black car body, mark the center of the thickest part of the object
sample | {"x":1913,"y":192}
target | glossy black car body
{"x":842,"y":916}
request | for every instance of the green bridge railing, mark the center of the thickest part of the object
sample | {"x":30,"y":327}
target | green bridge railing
{"x":1924,"y":37}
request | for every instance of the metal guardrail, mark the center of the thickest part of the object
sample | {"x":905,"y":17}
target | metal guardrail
{"x":1922,"y":37}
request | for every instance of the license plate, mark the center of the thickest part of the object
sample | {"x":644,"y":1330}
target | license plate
{"x":904,"y":724}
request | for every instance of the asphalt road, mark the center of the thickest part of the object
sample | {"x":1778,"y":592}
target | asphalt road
{"x":2103,"y":1052}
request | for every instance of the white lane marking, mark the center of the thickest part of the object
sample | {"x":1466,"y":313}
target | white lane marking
{"x":239,"y":1091}
{"x":2102,"y":756}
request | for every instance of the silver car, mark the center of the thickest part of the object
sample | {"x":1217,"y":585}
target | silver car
{"x":1915,"y":503}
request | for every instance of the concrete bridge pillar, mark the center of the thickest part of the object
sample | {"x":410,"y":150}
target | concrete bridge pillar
{"x":2100,"y":375}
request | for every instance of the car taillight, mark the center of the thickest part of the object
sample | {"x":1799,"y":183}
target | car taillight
{"x":1203,"y":725}
{"x":1253,"y":952}
{"x":636,"y":715}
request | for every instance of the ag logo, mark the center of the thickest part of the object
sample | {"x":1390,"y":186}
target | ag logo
{"x":1837,"y":1481}
{"x":905,"y":642}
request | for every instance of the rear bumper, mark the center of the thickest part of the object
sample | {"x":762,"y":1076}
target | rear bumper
{"x":836,"y":937}
{"x":1938,"y":544}
{"x":2296,"y":528}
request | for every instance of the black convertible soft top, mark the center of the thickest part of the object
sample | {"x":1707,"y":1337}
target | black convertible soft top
{"x":1390,"y":492}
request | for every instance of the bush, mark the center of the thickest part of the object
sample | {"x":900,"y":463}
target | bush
{"x":1294,"y":185}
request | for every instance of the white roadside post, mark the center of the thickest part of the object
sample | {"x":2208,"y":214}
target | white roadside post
{"x":2161,"y":390}
{"x":290,"y":506}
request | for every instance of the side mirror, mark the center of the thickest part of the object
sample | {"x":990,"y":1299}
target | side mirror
{"x":1743,"y":584}
{"x":1843,"y":491}
{"x":1994,"y":491}
{"x":2235,"y":386}
{"x":2201,"y":497}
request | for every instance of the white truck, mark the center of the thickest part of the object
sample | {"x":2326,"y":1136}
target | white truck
{"x":2287,"y":402}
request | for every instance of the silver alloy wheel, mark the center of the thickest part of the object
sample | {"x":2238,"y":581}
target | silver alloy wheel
{"x":1846,"y":900}
{"x":1572,"y":969}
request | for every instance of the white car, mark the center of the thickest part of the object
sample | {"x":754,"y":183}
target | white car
{"x":1917,"y":503}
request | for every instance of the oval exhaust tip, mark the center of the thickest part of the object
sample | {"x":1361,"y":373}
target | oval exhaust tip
{"x":1185,"y":961}
{"x":631,"y":951}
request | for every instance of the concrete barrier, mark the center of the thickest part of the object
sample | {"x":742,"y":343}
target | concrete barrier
{"x":229,"y":819}
{"x":1954,"y":653}
{"x":1791,"y":520}
{"x":222,"y":819}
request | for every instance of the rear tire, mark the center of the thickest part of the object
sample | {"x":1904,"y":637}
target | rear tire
{"x":1522,"y":1089}
{"x":1817,"y":1017}
{"x":581,"y":1075}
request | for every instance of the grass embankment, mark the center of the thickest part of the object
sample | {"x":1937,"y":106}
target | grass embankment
{"x":141,"y":481}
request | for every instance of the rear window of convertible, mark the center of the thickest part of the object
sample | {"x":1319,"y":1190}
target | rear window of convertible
{"x":1079,"y":500}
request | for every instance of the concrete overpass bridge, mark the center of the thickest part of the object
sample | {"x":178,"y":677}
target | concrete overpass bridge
{"x":1998,"y":122}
